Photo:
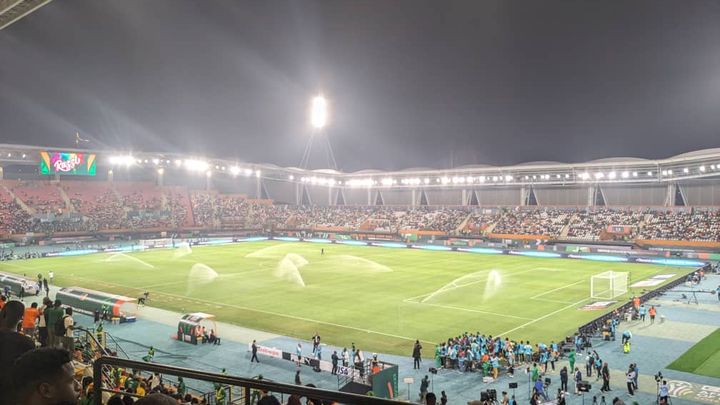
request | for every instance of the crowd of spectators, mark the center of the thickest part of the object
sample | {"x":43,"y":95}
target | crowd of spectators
{"x":541,"y":221}
{"x":588,"y":225}
{"x":101,"y":206}
{"x":697,"y":225}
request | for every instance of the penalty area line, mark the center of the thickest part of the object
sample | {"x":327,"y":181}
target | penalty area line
{"x":556,"y":289}
{"x":470,"y":310}
{"x":543,"y":317}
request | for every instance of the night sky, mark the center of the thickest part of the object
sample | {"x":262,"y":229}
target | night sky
{"x":410,"y":83}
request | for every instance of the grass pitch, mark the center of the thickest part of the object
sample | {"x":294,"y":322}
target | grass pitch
{"x":703,"y":358}
{"x":380,"y":298}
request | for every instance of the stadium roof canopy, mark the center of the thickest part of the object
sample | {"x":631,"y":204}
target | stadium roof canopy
{"x":692,"y":165}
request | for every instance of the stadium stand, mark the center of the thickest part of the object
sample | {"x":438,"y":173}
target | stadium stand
{"x":95,"y":206}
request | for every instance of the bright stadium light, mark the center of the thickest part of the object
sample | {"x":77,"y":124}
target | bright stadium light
{"x":319,"y":112}
{"x":635,"y":174}
{"x":567,"y":176}
{"x":625,"y":175}
{"x":686,"y":170}
{"x":248,"y":172}
{"x":208,"y":173}
{"x":612,"y":175}
{"x":649,"y":174}
{"x":291,"y":177}
{"x":161,"y":171}
{"x":234,"y":170}
{"x":257,"y":173}
{"x":196,"y":165}
{"x":156,"y":161}
{"x":712,"y":167}
{"x":702,"y":169}
{"x":426,"y":181}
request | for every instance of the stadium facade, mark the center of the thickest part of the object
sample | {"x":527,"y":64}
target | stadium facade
{"x":689,"y":179}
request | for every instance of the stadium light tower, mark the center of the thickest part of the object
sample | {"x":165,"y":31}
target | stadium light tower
{"x":319,"y":115}
{"x":319,"y":112}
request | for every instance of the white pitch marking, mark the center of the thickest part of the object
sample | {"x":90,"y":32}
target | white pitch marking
{"x":470,"y":310}
{"x":543,"y":317}
{"x":300,"y":318}
{"x":556,"y":289}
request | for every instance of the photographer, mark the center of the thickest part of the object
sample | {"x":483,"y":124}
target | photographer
{"x":663,"y":393}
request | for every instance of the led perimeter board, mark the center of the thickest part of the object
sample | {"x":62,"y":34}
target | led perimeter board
{"x":67,"y":163}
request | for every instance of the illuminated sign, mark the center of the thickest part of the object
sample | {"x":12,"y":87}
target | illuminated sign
{"x":69,"y":163}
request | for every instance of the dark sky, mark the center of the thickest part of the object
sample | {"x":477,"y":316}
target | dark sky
{"x":411,"y":83}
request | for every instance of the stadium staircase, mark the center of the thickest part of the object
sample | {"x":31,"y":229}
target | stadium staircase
{"x":489,"y":228}
{"x":68,"y":204}
{"x":18,"y":201}
{"x":566,"y":229}
{"x":463,"y":224}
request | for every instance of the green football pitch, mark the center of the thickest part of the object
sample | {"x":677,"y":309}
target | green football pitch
{"x":703,"y":358}
{"x":380,"y":298}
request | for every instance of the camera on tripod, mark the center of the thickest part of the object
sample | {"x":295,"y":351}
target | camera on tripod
{"x":658,"y":377}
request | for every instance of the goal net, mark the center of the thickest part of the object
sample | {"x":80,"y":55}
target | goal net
{"x":608,"y":285}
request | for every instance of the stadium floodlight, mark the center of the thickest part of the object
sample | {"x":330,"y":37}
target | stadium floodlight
{"x":508,"y":178}
{"x":469,"y":179}
{"x":702,"y":169}
{"x":161,"y":171}
{"x":426,"y":181}
{"x":387,"y":181}
{"x":712,"y":167}
{"x":257,"y":173}
{"x":612,"y":175}
{"x":319,"y":112}
{"x":635,"y":174}
{"x":482,"y":179}
{"x":670,"y":172}
{"x":649,"y":174}
{"x":196,"y":165}
{"x":156,"y":161}
{"x":125,"y":160}
{"x":234,"y":170}
{"x":567,"y":176}
{"x":599,"y":175}
{"x":686,"y":170}
{"x":208,"y":173}
{"x":291,"y":177}
{"x":625,"y":175}
{"x":248,"y":172}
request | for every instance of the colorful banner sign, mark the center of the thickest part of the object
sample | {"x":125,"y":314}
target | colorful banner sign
{"x":67,"y":163}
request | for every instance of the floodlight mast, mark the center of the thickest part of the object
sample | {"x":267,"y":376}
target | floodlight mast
{"x":319,"y":112}
{"x":318,"y":120}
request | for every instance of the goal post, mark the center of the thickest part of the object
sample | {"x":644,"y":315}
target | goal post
{"x":608,"y":285}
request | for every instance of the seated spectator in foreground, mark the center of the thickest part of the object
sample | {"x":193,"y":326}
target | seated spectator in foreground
{"x":12,"y":345}
{"x":45,"y":377}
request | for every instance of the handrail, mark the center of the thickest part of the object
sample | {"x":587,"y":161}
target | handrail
{"x":246,"y":383}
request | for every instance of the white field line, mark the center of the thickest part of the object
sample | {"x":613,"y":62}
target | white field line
{"x":455,"y":287}
{"x":543,"y":317}
{"x":300,"y":318}
{"x":470,"y":310}
{"x":557,"y":289}
{"x":549,"y":300}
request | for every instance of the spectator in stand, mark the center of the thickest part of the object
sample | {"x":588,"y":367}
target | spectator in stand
{"x":45,"y":377}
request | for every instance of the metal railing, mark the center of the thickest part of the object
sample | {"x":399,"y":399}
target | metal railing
{"x":245,"y":384}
